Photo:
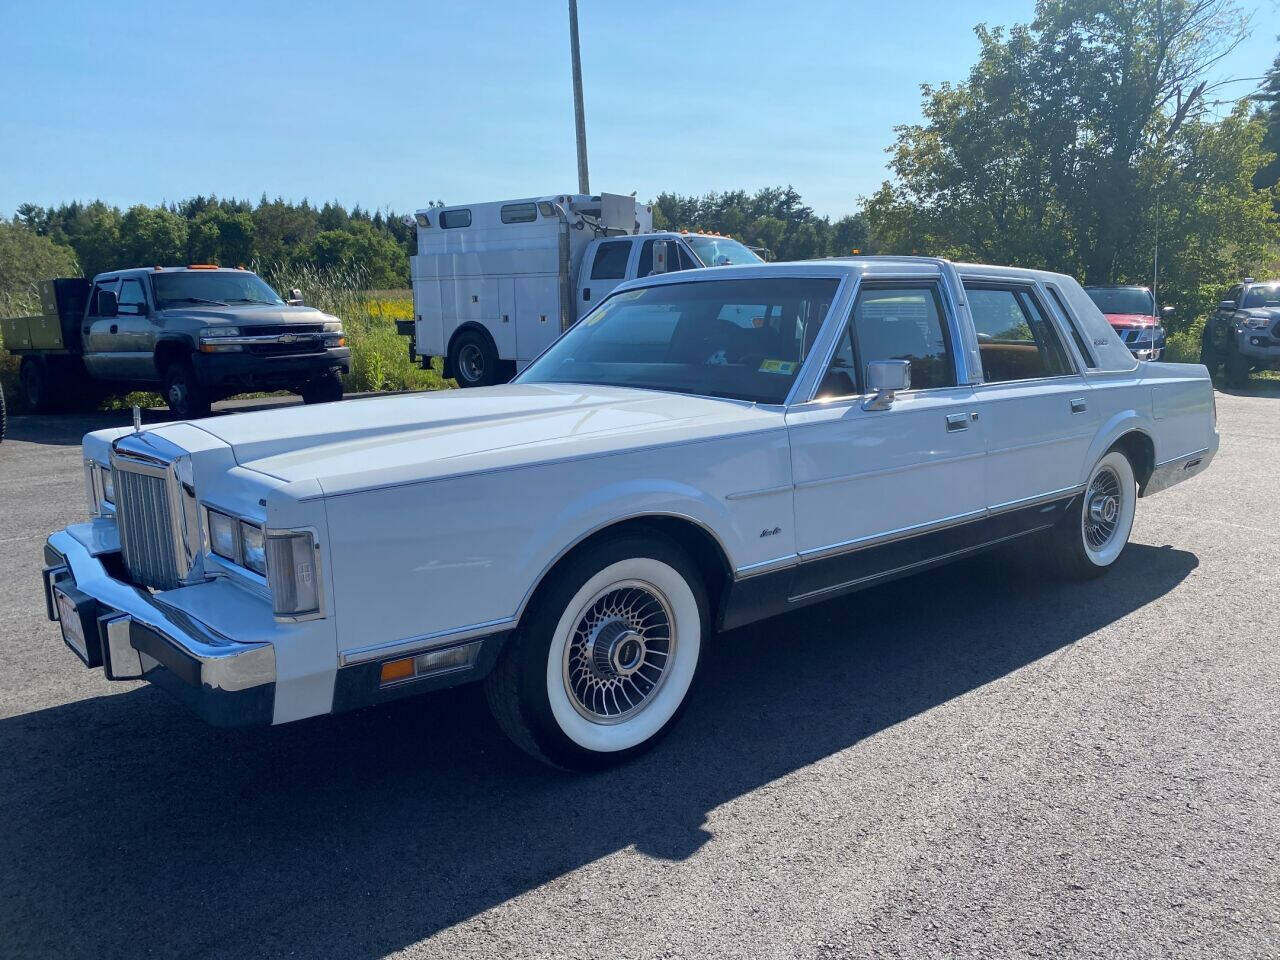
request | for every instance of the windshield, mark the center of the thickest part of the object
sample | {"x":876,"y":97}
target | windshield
{"x":1263,"y":295}
{"x":219,"y":287}
{"x":721,"y":251}
{"x":1122,"y":299}
{"x":741,"y":339}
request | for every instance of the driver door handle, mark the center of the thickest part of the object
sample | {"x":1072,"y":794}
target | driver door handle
{"x":1079,"y":405}
{"x":957,"y":421}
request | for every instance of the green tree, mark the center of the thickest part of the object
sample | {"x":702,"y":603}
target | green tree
{"x":26,"y":258}
{"x":219,"y":236}
{"x":1268,"y":97}
{"x":1066,"y":136}
{"x":380,"y":259}
{"x":151,"y":236}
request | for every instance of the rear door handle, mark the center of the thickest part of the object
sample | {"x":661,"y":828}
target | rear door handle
{"x":1079,"y":405}
{"x":957,"y":421}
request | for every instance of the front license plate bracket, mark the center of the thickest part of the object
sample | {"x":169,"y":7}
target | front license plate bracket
{"x":78,"y":617}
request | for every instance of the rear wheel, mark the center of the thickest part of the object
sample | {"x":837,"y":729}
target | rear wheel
{"x":39,"y":385}
{"x":323,"y":389}
{"x":474,"y":360}
{"x":602,"y":662}
{"x":1096,"y":529}
{"x":183,"y":392}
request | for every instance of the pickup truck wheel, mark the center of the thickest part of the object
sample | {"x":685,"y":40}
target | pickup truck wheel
{"x":323,"y":389}
{"x":474,"y":360}
{"x":1096,"y":529}
{"x":38,"y":383}
{"x":183,"y":392}
{"x":601,"y":665}
{"x":1236,"y":368}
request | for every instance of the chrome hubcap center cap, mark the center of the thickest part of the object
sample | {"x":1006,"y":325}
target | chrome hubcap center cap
{"x":1104,"y":509}
{"x":616,"y":650}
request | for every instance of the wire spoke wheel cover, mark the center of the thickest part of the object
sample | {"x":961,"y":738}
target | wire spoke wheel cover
{"x":1106,"y":516}
{"x":1102,"y":508}
{"x":617,"y":658}
{"x":623,"y":653}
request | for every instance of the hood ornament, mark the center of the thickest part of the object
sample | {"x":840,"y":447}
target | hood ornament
{"x":137,"y":419}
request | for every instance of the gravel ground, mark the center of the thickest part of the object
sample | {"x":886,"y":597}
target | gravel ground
{"x":976,"y":762}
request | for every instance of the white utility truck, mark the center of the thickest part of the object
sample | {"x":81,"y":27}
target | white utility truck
{"x":494,"y":284}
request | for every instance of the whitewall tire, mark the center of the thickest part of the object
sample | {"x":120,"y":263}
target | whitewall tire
{"x":603,"y":661}
{"x":1096,"y":530}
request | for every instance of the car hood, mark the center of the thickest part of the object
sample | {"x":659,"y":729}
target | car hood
{"x":378,"y":441}
{"x":1130,"y":319}
{"x":247,"y":315}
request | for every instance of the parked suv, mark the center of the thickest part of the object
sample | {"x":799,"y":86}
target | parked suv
{"x":1134,"y":315}
{"x":1244,"y":333}
{"x":197,"y":333}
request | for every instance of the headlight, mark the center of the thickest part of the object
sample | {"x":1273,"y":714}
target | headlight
{"x":222,"y":536}
{"x":209,"y":333}
{"x":333,"y":327}
{"x":107,"y":484}
{"x":212,"y":340}
{"x":293,"y":574}
{"x":255,"y":551}
{"x":1257,"y":323}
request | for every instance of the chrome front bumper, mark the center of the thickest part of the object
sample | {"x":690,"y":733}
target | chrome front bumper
{"x":132,"y":636}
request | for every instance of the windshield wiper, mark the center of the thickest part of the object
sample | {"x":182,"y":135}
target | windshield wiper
{"x":252,"y":300}
{"x":215,"y":303}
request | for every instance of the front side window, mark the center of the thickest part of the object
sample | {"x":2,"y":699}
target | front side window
{"x":1016,"y":339}
{"x":611,"y":260}
{"x":893,"y":322}
{"x":132,"y":299}
{"x":216,"y":287}
{"x":740,"y":339}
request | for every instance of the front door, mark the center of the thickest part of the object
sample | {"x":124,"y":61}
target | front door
{"x":606,"y":269}
{"x":102,"y":353}
{"x":879,"y":492}
{"x":1038,"y":410}
{"x":135,"y":333}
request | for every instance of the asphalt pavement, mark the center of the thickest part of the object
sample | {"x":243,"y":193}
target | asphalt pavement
{"x":979,"y":761}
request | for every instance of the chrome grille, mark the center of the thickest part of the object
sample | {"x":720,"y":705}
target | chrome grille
{"x":147,"y":537}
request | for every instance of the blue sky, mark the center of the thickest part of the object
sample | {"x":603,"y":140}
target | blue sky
{"x":391,"y":104}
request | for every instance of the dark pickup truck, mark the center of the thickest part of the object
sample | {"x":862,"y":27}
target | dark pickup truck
{"x":197,"y":333}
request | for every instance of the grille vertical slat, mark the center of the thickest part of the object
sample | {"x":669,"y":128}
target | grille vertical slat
{"x":146,"y":528}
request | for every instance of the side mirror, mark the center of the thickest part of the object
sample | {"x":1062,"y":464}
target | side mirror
{"x":1166,"y":311}
{"x":886,"y":377}
{"x":1227,"y":305}
{"x":663,"y":250}
{"x":108,"y":304}
{"x":295,"y":297}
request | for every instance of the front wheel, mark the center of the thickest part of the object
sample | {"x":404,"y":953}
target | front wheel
{"x":39,"y":385}
{"x":601,"y":665}
{"x":323,"y":389}
{"x":183,"y":391}
{"x":1096,"y":529}
{"x":1236,"y":368}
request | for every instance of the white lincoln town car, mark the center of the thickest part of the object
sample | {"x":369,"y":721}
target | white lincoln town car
{"x":702,"y":450}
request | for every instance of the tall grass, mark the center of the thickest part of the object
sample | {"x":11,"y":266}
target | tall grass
{"x":379,"y":356}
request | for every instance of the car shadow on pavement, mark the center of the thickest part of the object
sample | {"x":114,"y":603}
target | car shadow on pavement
{"x":129,"y":827}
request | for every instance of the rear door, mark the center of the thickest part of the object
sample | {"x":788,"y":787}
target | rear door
{"x":1039,"y":413}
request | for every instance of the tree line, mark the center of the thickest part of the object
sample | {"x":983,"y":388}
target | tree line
{"x":1081,"y":142}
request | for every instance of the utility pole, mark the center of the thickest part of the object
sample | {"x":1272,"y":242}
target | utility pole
{"x":1155,"y":260}
{"x":584,"y":182}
